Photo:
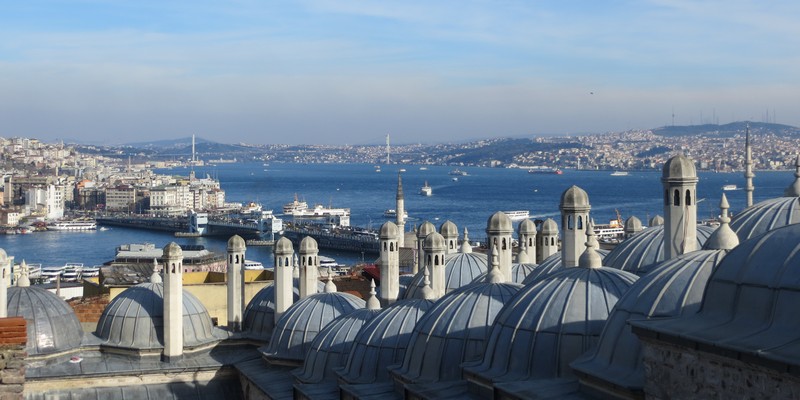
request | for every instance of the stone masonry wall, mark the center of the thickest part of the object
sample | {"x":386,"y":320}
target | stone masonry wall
{"x":13,"y":337}
{"x":677,"y":372}
{"x":89,"y":309}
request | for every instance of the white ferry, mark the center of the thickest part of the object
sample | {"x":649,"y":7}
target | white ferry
{"x":619,"y":173}
{"x":50,"y":274}
{"x":73,"y":225}
{"x":392,"y":213}
{"x":253,"y":265}
{"x":517,"y":215}
{"x":426,"y":190}
{"x":72,"y":272}
{"x":729,"y":187}
{"x":290,"y":208}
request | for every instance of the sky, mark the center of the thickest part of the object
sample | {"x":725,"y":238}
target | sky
{"x":351,"y":72}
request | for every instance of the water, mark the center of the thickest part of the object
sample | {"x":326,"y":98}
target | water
{"x":468,"y":202}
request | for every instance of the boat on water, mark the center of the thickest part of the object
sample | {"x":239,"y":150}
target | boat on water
{"x":458,"y":172}
{"x":517,"y":215}
{"x":402,"y":170}
{"x":253,"y":265}
{"x":290,"y":208}
{"x":392,"y":213}
{"x":72,"y":272}
{"x":729,"y":187}
{"x":426,"y":190}
{"x":619,"y":173}
{"x":73,"y":225}
{"x":545,"y":170}
{"x":423,"y":168}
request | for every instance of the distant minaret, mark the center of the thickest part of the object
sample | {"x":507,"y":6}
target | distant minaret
{"x":547,"y":240}
{"x":387,"y":149}
{"x":748,"y":167}
{"x":574,"y":223}
{"x":424,"y":230}
{"x":434,"y":262}
{"x":309,"y":266}
{"x":3,"y":285}
{"x":283,"y":276}
{"x":526,"y":232}
{"x":498,"y":232}
{"x":173,"y":302}
{"x":390,"y":262}
{"x":400,"y":207}
{"x":679,"y":179}
{"x":449,"y":231}
{"x":236,"y":252}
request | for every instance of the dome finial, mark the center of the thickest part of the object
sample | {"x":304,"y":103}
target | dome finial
{"x":330,"y":287}
{"x":794,"y":189}
{"x":155,"y":277}
{"x":295,"y":266}
{"x":427,"y":290}
{"x":372,"y":302}
{"x":24,"y":272}
{"x":465,"y":246}
{"x":590,"y":257}
{"x":495,"y":275}
{"x":724,"y":238}
{"x":523,"y":257}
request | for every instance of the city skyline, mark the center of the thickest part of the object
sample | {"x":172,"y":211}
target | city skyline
{"x":351,"y":72}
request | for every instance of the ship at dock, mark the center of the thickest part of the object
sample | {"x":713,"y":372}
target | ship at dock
{"x":300,"y":210}
{"x":545,"y":171}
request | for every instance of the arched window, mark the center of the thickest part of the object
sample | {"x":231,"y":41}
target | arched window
{"x":530,"y":242}
{"x":688,"y":197}
{"x":552,"y":241}
{"x":384,"y":246}
{"x":429,"y":259}
{"x":237,"y":258}
{"x":504,"y":243}
{"x":391,"y":246}
{"x":173,"y":268}
{"x":569,"y":221}
{"x":231,"y":259}
{"x":436,"y":260}
{"x":676,"y":198}
{"x":286,"y":261}
{"x":580,"y":222}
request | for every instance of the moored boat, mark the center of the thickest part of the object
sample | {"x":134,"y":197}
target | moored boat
{"x":73,"y":225}
{"x":545,"y":170}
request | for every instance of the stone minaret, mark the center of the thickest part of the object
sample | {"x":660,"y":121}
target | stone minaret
{"x":4,"y":272}
{"x":400,"y":207}
{"x":679,"y":179}
{"x":173,"y":302}
{"x":283,"y":276}
{"x":748,"y":167}
{"x":434,"y":262}
{"x":526,"y":232}
{"x":574,"y":208}
{"x":498,"y":231}
{"x":236,"y":251}
{"x":390,"y":262}
{"x":449,"y":231}
{"x":424,"y":230}
{"x":547,"y":240}
{"x":309,"y":266}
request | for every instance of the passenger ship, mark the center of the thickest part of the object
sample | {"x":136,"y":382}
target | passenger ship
{"x":73,"y":225}
{"x":517,"y":215}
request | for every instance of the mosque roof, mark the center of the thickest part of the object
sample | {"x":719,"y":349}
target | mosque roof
{"x":383,"y":341}
{"x":330,"y":347}
{"x":633,"y":224}
{"x":448,"y":229}
{"x":301,"y":323}
{"x":460,"y":269}
{"x":52,"y":324}
{"x":307,"y":245}
{"x":674,"y":287}
{"x":765,"y":216}
{"x":454,"y":330}
{"x":499,"y":223}
{"x":425,"y":229}
{"x":236,"y":243}
{"x":526,"y":227}
{"x":641,"y":251}
{"x":678,"y":167}
{"x":549,"y":323}
{"x":750,"y":303}
{"x":388,"y":230}
{"x":434,"y":242}
{"x":134,"y":319}
{"x":549,"y":265}
{"x":574,"y":198}
{"x":283,"y":246}
{"x":549,"y":227}
{"x":518,"y":272}
{"x":259,"y":315}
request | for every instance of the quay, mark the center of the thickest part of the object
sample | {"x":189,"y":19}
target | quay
{"x":347,"y":239}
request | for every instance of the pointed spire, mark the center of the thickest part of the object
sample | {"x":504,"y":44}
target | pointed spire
{"x":372,"y":301}
{"x":427,"y":290}
{"x":794,"y":189}
{"x":724,"y":238}
{"x":24,"y":279}
{"x":495,"y":275}
{"x":155,"y":277}
{"x":590,"y":257}
{"x":295,"y":266}
{"x":330,"y":287}
{"x":523,"y":257}
{"x":465,"y":246}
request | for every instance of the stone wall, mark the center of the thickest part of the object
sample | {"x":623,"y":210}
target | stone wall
{"x":88,"y":310}
{"x":678,"y":372}
{"x":13,"y":337}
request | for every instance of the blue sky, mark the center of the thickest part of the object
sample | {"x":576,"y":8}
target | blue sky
{"x":336,"y":72}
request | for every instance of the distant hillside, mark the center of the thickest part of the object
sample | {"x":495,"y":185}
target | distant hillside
{"x":502,"y":150}
{"x":187,"y":141}
{"x":727,"y":130}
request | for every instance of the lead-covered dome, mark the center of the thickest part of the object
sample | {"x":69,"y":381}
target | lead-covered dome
{"x":51,"y":323}
{"x":259,"y":315}
{"x":134,"y":320}
{"x":526,"y":227}
{"x":454,"y":330}
{"x":750,"y":301}
{"x":434,"y":242}
{"x":766,"y":216}
{"x":549,"y":227}
{"x":678,"y":167}
{"x":448,"y":229}
{"x":236,"y":244}
{"x":574,"y":198}
{"x":460,"y":269}
{"x":283,"y":246}
{"x":425,"y":229}
{"x":674,"y":287}
{"x":641,"y":251}
{"x":308,"y":245}
{"x":383,"y":341}
{"x":548,"y":324}
{"x":499,"y":223}
{"x":389,"y":231}
{"x":301,"y":323}
{"x":550,"y":265}
{"x":632,"y":225}
{"x":519,"y":271}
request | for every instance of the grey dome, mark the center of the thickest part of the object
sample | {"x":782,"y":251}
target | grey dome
{"x":766,"y":216}
{"x":454,"y":330}
{"x":259,"y":315}
{"x":550,"y":265}
{"x":526,"y":227}
{"x":135,"y":319}
{"x":383,"y":341}
{"x":389,"y":231}
{"x":574,"y":198}
{"x":52,"y":324}
{"x":750,"y":302}
{"x":633,"y":224}
{"x":301,"y":323}
{"x":641,"y":251}
{"x":425,"y":229}
{"x":283,"y":246}
{"x":460,"y":269}
{"x":499,"y":223}
{"x":549,"y":227}
{"x":656,"y":221}
{"x":678,"y":167}
{"x":674,"y":287}
{"x":448,"y":229}
{"x":172,"y":250}
{"x":405,"y":282}
{"x":330,"y":348}
{"x":551,"y":322}
{"x":308,"y":245}
{"x":518,"y":273}
{"x":434,"y":242}
{"x":236,"y":244}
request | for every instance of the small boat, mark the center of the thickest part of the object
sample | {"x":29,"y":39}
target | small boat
{"x":729,"y":187}
{"x":517,"y":215}
{"x":392,"y":213}
{"x":619,"y":173}
{"x":72,"y":272}
{"x":458,"y":172}
{"x":402,"y":170}
{"x":426,"y":190}
{"x":545,"y":170}
{"x":455,"y":179}
{"x":253,"y":265}
{"x":423,"y":168}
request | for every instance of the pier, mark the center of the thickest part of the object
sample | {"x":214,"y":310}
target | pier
{"x":347,"y":239}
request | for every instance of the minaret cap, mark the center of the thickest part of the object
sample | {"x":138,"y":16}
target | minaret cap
{"x":236,"y":244}
{"x":372,"y":302}
{"x":590,"y":257}
{"x":724,"y":238}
